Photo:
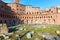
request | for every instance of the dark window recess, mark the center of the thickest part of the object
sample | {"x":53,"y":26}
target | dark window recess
{"x":12,"y":9}
{"x":14,"y":21}
{"x":0,"y":15}
{"x":0,"y":21}
{"x":40,"y":17}
{"x":51,"y":11}
{"x":5,"y":21}
{"x":2,"y":6}
{"x":17,"y":5}
{"x":37,"y":12}
{"x":9,"y":17}
{"x":29,"y":17}
{"x":25,"y":17}
{"x":27,"y":12}
{"x":16,"y":17}
{"x":54,"y":20}
{"x":51,"y":16}
{"x":32,"y":17}
{"x":44,"y":16}
{"x":20,"y":9}
{"x":23,"y":10}
{"x":17,"y":8}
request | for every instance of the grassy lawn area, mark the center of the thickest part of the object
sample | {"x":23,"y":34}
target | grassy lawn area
{"x":51,"y":29}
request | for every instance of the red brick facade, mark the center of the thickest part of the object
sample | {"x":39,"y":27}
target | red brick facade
{"x":26,"y":14}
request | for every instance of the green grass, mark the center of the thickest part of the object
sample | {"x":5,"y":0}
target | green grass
{"x":49,"y":29}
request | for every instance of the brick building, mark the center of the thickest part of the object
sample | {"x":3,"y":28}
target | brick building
{"x":15,"y":13}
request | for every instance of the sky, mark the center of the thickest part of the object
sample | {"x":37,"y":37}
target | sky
{"x":38,"y":3}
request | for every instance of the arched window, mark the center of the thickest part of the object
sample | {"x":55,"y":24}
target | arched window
{"x":2,"y":6}
{"x":29,"y":17}
{"x":40,"y":17}
{"x":36,"y":17}
{"x":51,"y":11}
{"x":25,"y":17}
{"x":51,"y":16}
{"x":0,"y":21}
{"x":54,"y":21}
{"x":27,"y":12}
{"x":13,"y":22}
{"x":32,"y":17}
{"x":37,"y":12}
{"x":5,"y":21}
{"x":16,"y":17}
{"x":44,"y":16}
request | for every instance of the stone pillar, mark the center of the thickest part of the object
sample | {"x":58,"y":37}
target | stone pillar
{"x":3,"y":29}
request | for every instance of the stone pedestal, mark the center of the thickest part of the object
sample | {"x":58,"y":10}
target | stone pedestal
{"x":3,"y":29}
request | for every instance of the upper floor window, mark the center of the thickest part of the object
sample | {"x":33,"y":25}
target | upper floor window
{"x":29,"y":17}
{"x":32,"y":17}
{"x":20,"y":9}
{"x":17,"y":5}
{"x":27,"y":12}
{"x":17,"y":8}
{"x":2,"y":6}
{"x":40,"y":17}
{"x":16,"y":17}
{"x":5,"y":21}
{"x":13,"y":9}
{"x":51,"y":11}
{"x":44,"y":16}
{"x":0,"y":21}
{"x":25,"y":17}
{"x":37,"y":12}
{"x":51,"y":16}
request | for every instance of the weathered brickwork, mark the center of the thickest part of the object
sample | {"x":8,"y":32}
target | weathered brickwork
{"x":15,"y":13}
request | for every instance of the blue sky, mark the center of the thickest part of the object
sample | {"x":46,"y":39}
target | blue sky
{"x":38,"y":3}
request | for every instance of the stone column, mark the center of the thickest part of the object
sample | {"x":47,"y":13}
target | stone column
{"x":3,"y":29}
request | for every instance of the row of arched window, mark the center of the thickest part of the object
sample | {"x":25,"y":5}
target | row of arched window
{"x":8,"y":16}
{"x":34,"y":12}
{"x":38,"y":17}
